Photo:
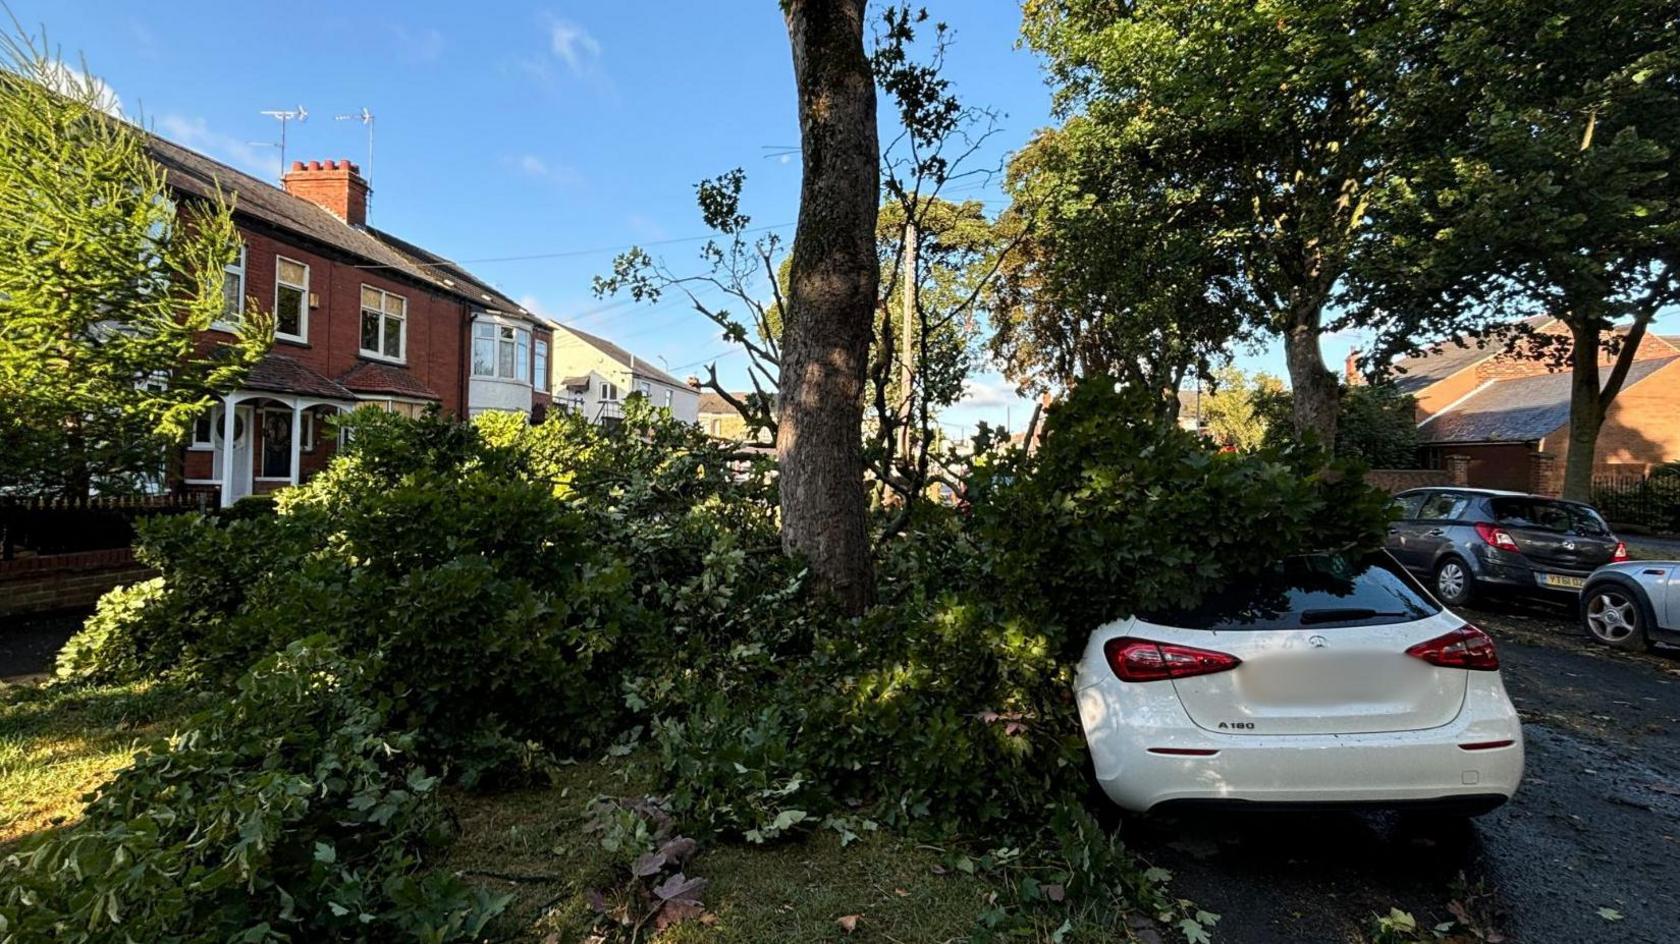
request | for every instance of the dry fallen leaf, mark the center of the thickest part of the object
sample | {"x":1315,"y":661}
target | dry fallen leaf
{"x":848,"y":923}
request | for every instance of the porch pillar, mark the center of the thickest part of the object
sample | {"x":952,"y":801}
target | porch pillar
{"x":227,"y":450}
{"x":297,"y":438}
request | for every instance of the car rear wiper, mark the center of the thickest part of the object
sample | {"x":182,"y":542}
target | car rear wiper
{"x":1309,"y":617}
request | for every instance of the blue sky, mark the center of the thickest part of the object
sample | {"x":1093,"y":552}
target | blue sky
{"x":571,"y":130}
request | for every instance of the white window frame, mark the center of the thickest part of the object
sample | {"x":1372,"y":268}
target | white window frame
{"x":231,"y":321}
{"x":539,"y":355}
{"x":511,"y":337}
{"x":647,"y":390}
{"x":303,"y":303}
{"x":208,"y":443}
{"x":306,"y":442}
{"x":609,"y":390}
{"x":402,"y":325}
{"x":669,"y":396}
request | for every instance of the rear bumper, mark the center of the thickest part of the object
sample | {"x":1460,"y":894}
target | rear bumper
{"x":1390,"y":769}
{"x":1496,"y":568}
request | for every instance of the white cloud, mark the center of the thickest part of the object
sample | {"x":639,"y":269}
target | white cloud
{"x":195,"y":133}
{"x":76,"y":84}
{"x":535,"y":167}
{"x":574,"y":45}
{"x":979,"y":394}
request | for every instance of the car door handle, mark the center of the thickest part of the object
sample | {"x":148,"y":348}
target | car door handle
{"x":1435,"y":532}
{"x":1393,"y":530}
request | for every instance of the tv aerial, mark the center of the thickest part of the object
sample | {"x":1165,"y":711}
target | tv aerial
{"x":285,"y":117}
{"x":366,"y":118}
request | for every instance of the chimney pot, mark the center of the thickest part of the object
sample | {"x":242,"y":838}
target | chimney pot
{"x":297,"y":165}
{"x":314,"y":165}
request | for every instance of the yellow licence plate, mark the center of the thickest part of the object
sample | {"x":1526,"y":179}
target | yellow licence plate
{"x":1563,"y":581}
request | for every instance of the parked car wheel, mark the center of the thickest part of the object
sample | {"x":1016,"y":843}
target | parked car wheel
{"x":1454,"y":584}
{"x":1612,"y":617}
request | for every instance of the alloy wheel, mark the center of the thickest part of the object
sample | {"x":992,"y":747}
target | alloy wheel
{"x":1611,"y":616}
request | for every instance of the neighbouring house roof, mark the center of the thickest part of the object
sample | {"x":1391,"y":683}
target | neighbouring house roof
{"x":368,"y":377}
{"x":280,"y":374}
{"x":713,"y":402}
{"x":197,"y":174}
{"x":636,"y":365}
{"x":1522,"y":409}
{"x":1419,"y":371}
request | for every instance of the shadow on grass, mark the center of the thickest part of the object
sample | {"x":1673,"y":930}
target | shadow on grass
{"x":59,"y":742}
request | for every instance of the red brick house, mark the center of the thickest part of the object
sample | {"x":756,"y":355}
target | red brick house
{"x":362,"y":318}
{"x":1508,"y":411}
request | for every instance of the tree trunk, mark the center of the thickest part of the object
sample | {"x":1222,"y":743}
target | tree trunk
{"x":1586,"y":412}
{"x":1316,"y":395}
{"x":832,"y":283}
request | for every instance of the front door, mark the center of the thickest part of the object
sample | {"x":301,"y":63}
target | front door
{"x":276,"y":445}
{"x":242,"y":425}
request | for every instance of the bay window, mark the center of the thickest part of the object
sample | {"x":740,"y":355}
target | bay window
{"x":504,"y":352}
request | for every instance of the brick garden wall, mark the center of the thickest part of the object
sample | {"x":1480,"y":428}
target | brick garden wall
{"x":65,"y":581}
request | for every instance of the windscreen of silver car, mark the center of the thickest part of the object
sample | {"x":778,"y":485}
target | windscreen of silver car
{"x":1310,"y":591}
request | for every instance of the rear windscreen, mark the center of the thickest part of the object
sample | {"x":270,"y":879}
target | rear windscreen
{"x":1556,"y":516}
{"x":1319,"y":591}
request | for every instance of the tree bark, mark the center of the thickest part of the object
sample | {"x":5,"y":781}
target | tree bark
{"x":832,"y":284}
{"x":1586,"y":412}
{"x":1316,"y":395}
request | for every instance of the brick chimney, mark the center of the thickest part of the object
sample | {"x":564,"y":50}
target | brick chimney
{"x":1350,"y":369}
{"x":336,"y":185}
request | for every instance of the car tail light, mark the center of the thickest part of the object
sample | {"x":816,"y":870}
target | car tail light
{"x":1464,"y":648}
{"x":1497,"y":537}
{"x":1141,"y":660}
{"x":1620,"y":553}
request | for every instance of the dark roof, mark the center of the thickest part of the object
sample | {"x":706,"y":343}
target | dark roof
{"x":466,"y":283}
{"x":281,"y":374}
{"x":576,"y":383}
{"x":637,"y":365}
{"x":368,"y":377}
{"x":197,"y":174}
{"x":1431,"y":366}
{"x":713,"y":402}
{"x":1523,"y":409}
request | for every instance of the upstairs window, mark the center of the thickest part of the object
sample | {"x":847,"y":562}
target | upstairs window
{"x":233,"y":289}
{"x":501,"y":351}
{"x":539,"y":366}
{"x":291,"y":299}
{"x":384,"y":324}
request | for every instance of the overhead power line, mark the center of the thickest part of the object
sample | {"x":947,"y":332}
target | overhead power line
{"x":458,"y":263}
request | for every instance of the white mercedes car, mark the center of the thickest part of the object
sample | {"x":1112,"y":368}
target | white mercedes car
{"x":1334,"y":680}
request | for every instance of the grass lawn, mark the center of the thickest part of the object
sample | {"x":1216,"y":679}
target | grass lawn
{"x":532,"y":844}
{"x":58,"y":743}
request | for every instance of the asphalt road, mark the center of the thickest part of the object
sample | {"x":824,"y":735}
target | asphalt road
{"x":29,"y":644}
{"x":1596,"y":824}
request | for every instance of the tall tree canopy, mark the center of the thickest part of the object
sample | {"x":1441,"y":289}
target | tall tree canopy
{"x":1559,"y":197}
{"x":106,"y":283}
{"x":1253,"y":136}
{"x":1122,"y":272}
